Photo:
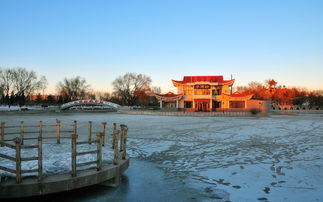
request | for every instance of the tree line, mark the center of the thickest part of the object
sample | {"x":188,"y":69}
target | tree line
{"x":282,"y":95}
{"x":18,"y":86}
{"x":18,"y":83}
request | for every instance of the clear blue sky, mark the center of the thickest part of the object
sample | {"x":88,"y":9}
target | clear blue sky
{"x":166,"y":39}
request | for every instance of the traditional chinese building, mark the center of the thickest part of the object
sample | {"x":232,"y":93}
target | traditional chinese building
{"x":204,"y":93}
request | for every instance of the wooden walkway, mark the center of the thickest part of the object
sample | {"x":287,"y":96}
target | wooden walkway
{"x":22,"y":185}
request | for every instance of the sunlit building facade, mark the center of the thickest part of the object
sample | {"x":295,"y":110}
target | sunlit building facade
{"x":204,"y":93}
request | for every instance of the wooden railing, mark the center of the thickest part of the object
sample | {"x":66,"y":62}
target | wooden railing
{"x":75,"y":153}
{"x":119,"y":148}
{"x":40,"y":129}
{"x":18,"y":159}
{"x":28,"y":132}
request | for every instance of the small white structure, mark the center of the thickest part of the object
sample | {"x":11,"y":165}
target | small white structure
{"x":90,"y":103}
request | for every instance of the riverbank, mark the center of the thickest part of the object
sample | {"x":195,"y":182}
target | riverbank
{"x":192,"y":114}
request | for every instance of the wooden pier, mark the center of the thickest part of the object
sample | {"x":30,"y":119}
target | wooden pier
{"x":96,"y":172}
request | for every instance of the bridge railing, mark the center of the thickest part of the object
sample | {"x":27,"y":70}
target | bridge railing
{"x":90,"y":103}
{"x":119,"y":149}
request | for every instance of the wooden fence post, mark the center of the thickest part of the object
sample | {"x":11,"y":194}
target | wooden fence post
{"x":74,"y":138}
{"x":40,"y":129}
{"x":22,"y":132}
{"x":121,"y":136}
{"x":116,"y":151}
{"x":40,"y":158}
{"x":90,"y":131}
{"x":58,"y":131}
{"x":114,"y":128}
{"x":2,"y":131}
{"x":125,"y":134}
{"x":75,"y":127}
{"x":99,"y":138}
{"x":18,"y":159}
{"x":104,"y":128}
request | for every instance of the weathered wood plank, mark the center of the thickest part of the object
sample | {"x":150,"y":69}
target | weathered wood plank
{"x":12,"y":133}
{"x":40,"y":158}
{"x":99,"y":137}
{"x":85,"y":153}
{"x":75,"y":127}
{"x":18,"y":160}
{"x":49,"y":131}
{"x":22,"y":132}
{"x":2,"y":131}
{"x":73,"y":153}
{"x":8,"y":145}
{"x":104,"y":128}
{"x":12,"y":126}
{"x":116,"y":149}
{"x":7,"y":157}
{"x":29,"y":158}
{"x":40,"y":128}
{"x":30,"y":138}
{"x":58,"y":131}
{"x":30,"y":132}
{"x":86,"y":163}
{"x":87,"y":142}
{"x":8,"y":170}
{"x":30,"y":146}
{"x":90,"y":131}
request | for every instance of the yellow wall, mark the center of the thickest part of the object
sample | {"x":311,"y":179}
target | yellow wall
{"x":224,"y":99}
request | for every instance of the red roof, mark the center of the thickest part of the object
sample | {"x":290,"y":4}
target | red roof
{"x":192,"y":79}
{"x":169,"y":94}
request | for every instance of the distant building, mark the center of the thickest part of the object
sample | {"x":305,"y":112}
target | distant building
{"x":206,"y":93}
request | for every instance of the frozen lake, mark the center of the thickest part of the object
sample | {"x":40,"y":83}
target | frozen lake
{"x":277,"y":158}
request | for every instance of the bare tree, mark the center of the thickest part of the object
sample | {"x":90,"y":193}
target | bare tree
{"x":103,"y":95}
{"x":127,"y":85}
{"x":19,"y":82}
{"x":6,"y":84}
{"x":26,"y":83}
{"x":156,"y":89}
{"x":73,"y":89}
{"x":1,"y":94}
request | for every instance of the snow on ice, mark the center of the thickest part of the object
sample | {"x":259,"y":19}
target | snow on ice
{"x":275,"y":158}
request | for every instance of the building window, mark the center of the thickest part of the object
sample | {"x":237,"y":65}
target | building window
{"x":202,"y":92}
{"x":188,"y":104}
{"x":237,"y":104}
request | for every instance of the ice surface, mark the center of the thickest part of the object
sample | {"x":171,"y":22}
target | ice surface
{"x":277,"y":158}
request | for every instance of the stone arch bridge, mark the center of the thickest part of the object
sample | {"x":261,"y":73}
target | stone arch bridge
{"x":90,"y":103}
